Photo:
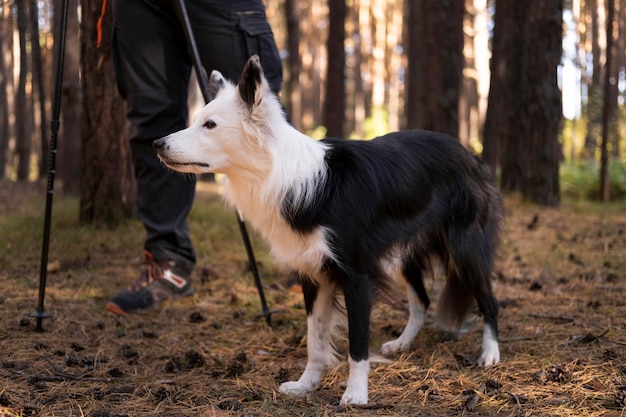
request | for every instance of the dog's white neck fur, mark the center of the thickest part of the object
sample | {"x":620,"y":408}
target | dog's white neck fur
{"x":296,"y":166}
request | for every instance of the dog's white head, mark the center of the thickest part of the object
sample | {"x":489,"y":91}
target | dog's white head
{"x":231,"y":133}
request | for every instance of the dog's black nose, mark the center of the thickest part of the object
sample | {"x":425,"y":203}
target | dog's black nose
{"x":159,"y":143}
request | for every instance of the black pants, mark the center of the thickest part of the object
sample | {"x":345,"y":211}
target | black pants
{"x":153,"y":69}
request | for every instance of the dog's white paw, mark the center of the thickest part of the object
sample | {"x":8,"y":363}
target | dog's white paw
{"x":356,"y":389}
{"x":294,"y":388}
{"x":353,"y":397}
{"x":394,"y":346}
{"x":489,"y":357}
{"x":491,"y":349}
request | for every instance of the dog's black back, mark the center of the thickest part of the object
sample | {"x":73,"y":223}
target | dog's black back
{"x":417,"y":191}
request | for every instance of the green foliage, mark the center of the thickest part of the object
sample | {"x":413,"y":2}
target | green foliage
{"x":582,"y":180}
{"x":572,"y":138}
{"x":317,"y":133}
{"x":376,"y":124}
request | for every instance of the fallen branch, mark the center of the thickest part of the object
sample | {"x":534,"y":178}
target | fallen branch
{"x":518,"y":339}
{"x":474,"y":399}
{"x":589,"y":338}
{"x":560,"y":317}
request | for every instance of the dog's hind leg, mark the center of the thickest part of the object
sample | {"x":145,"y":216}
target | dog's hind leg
{"x":470,"y":275}
{"x":479,"y":267}
{"x":488,"y":306}
{"x":320,"y":306}
{"x":418,"y":304}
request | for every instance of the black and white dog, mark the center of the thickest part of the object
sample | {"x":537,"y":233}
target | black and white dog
{"x":349,"y":216}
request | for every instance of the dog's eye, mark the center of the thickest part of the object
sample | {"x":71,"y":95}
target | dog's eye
{"x":209,"y":124}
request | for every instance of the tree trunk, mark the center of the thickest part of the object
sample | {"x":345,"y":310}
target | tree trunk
{"x":619,"y":49}
{"x":435,"y":65}
{"x":360,"y":45}
{"x":608,"y":106}
{"x":542,"y":101}
{"x":393,"y":65}
{"x":501,"y":119}
{"x":468,"y":97}
{"x":38,"y":81}
{"x":6,"y":81}
{"x":412,"y":75}
{"x":378,"y":21}
{"x":108,"y":189}
{"x":22,"y":110}
{"x":69,"y":146}
{"x":335,"y":97}
{"x":594,"y":87}
{"x":524,"y":110}
{"x":294,"y":90}
{"x":312,"y":52}
{"x":498,"y":103}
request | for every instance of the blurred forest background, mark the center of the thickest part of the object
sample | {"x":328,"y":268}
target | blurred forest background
{"x":536,"y":87}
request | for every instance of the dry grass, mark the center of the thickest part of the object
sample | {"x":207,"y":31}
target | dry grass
{"x":561,"y":282}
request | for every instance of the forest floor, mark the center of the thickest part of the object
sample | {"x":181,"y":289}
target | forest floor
{"x":560,"y":280}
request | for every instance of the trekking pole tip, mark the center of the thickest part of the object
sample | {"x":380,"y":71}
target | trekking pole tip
{"x":40,"y":315}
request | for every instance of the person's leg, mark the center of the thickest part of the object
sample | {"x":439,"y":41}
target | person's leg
{"x":153,"y":74}
{"x":228,"y":33}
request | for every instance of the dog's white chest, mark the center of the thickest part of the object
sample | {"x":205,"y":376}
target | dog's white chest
{"x":304,"y":253}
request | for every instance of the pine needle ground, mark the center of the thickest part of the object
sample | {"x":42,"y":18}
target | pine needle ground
{"x":560,"y":280}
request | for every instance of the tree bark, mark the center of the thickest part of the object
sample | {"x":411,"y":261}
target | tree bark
{"x":524,"y":112}
{"x":69,"y":144}
{"x":22,"y":110}
{"x":335,"y":97}
{"x":506,"y":74}
{"x":435,"y":65}
{"x":619,"y":49}
{"x":312,"y":53}
{"x":294,"y":90}
{"x":6,"y":81}
{"x":607,"y":107}
{"x":468,"y":97}
{"x":361,"y":43}
{"x":594,"y":86}
{"x":38,"y":81}
{"x":108,"y":189}
{"x":542,"y":98}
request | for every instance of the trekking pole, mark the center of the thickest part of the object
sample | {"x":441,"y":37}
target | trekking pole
{"x":204,"y":87}
{"x":40,"y":314}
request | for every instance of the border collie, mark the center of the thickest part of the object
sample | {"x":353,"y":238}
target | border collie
{"x":350,"y":215}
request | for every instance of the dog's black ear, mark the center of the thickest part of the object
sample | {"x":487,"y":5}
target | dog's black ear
{"x":250,"y":80}
{"x":216,"y":83}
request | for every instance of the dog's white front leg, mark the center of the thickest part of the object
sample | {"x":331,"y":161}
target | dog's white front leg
{"x":356,"y":389}
{"x":320,"y":351}
{"x":310,"y":378}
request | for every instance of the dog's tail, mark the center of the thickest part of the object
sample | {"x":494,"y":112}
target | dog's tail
{"x":469,"y":260}
{"x":455,"y":301}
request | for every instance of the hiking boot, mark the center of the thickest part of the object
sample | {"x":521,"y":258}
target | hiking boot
{"x":159,"y":281}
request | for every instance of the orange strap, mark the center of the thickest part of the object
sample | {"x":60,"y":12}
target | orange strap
{"x":99,"y":25}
